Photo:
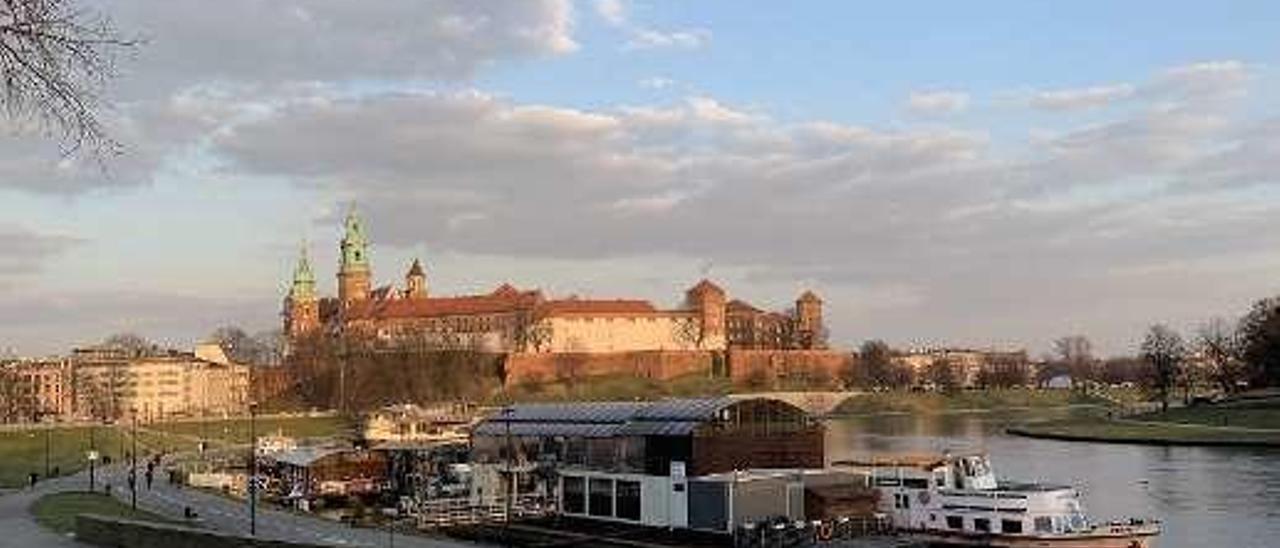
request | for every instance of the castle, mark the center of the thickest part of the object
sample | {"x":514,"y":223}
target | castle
{"x":511,"y":320}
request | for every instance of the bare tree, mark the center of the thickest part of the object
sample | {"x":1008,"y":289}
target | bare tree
{"x":1260,"y":341}
{"x":1075,"y":354}
{"x":1164,"y":350}
{"x":55,"y":59}
{"x":876,"y":361}
{"x":132,"y":344}
{"x":944,"y":374}
{"x":1219,"y":343}
{"x":687,"y":332}
{"x":1004,"y":370}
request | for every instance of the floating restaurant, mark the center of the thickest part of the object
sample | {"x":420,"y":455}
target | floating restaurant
{"x":702,"y":464}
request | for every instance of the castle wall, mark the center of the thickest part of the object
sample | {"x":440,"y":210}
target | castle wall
{"x":626,"y":333}
{"x":660,"y":365}
{"x":743,"y":364}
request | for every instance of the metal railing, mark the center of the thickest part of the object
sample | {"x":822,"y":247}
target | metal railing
{"x":451,"y":512}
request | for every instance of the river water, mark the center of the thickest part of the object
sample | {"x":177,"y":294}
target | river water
{"x":1206,"y":497}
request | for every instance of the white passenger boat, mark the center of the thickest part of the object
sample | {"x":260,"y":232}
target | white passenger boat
{"x":957,"y":501}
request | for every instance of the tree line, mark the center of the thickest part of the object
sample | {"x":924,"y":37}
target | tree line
{"x":357,"y":371}
{"x":1222,"y":356}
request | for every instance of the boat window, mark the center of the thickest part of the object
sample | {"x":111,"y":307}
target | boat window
{"x":628,"y":504}
{"x":982,"y":524}
{"x":916,"y":483}
{"x":955,"y":522}
{"x":601,"y":495}
{"x":1010,"y":526}
{"x":575,"y":495}
{"x":1044,"y":524}
{"x":1078,"y":523}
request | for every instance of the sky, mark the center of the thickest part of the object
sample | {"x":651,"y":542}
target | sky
{"x":980,"y":174}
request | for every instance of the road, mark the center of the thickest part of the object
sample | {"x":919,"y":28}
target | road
{"x":19,"y":529}
{"x":232,"y":516}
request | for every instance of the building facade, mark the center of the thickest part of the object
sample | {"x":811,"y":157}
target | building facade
{"x":511,"y":320}
{"x":36,"y":389}
{"x":113,"y":385}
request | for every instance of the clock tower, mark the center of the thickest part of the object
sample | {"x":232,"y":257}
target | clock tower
{"x":353,"y":266}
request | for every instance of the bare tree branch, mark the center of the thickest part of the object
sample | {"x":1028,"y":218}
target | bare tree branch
{"x":55,"y":60}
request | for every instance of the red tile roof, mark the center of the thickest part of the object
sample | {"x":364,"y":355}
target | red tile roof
{"x":704,"y":286}
{"x":596,"y":306}
{"x":443,"y":306}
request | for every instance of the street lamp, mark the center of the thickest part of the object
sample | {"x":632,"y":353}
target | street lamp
{"x":133,"y":466}
{"x":93,"y":454}
{"x":47,"y":431}
{"x":253,"y":468}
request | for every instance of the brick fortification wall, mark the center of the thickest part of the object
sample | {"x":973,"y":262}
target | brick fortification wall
{"x":777,"y":364}
{"x":656,"y":364}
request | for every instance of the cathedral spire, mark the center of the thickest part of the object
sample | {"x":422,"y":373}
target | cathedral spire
{"x":304,"y":280}
{"x":355,"y":244}
{"x":353,"y":266}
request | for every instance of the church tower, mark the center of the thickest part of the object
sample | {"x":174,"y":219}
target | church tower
{"x":301,"y":307}
{"x":353,"y":266}
{"x":708,"y":300}
{"x":809,"y":330}
{"x":415,"y":281}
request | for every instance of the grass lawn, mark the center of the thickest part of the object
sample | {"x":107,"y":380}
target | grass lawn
{"x":935,"y":402}
{"x":1241,"y":423}
{"x":1098,"y":429}
{"x":236,"y":431}
{"x":1245,"y":414}
{"x":22,"y":451}
{"x":58,"y":511}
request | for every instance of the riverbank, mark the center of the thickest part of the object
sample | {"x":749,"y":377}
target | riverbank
{"x":1233,"y":424}
{"x":927,"y":403}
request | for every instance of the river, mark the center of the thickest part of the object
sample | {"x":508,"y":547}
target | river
{"x":1206,"y":497}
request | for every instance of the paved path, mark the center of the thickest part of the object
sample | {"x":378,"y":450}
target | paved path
{"x":232,"y":516}
{"x":18,"y":528}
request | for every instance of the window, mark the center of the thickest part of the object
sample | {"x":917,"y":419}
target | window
{"x":628,"y":503}
{"x":915,"y":483}
{"x":982,"y":524}
{"x":1010,"y":526}
{"x":601,"y":503}
{"x":955,"y":522}
{"x":1044,"y":524}
{"x":575,"y":496}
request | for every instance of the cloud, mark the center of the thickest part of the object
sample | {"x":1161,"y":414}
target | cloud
{"x":1207,"y":79}
{"x":53,"y":322}
{"x":25,"y":251}
{"x":657,"y":82}
{"x":203,"y":65}
{"x":1081,"y":98}
{"x":614,"y":12}
{"x":937,"y":102}
{"x":617,"y":13}
{"x":679,"y":39}
{"x":334,"y":40}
